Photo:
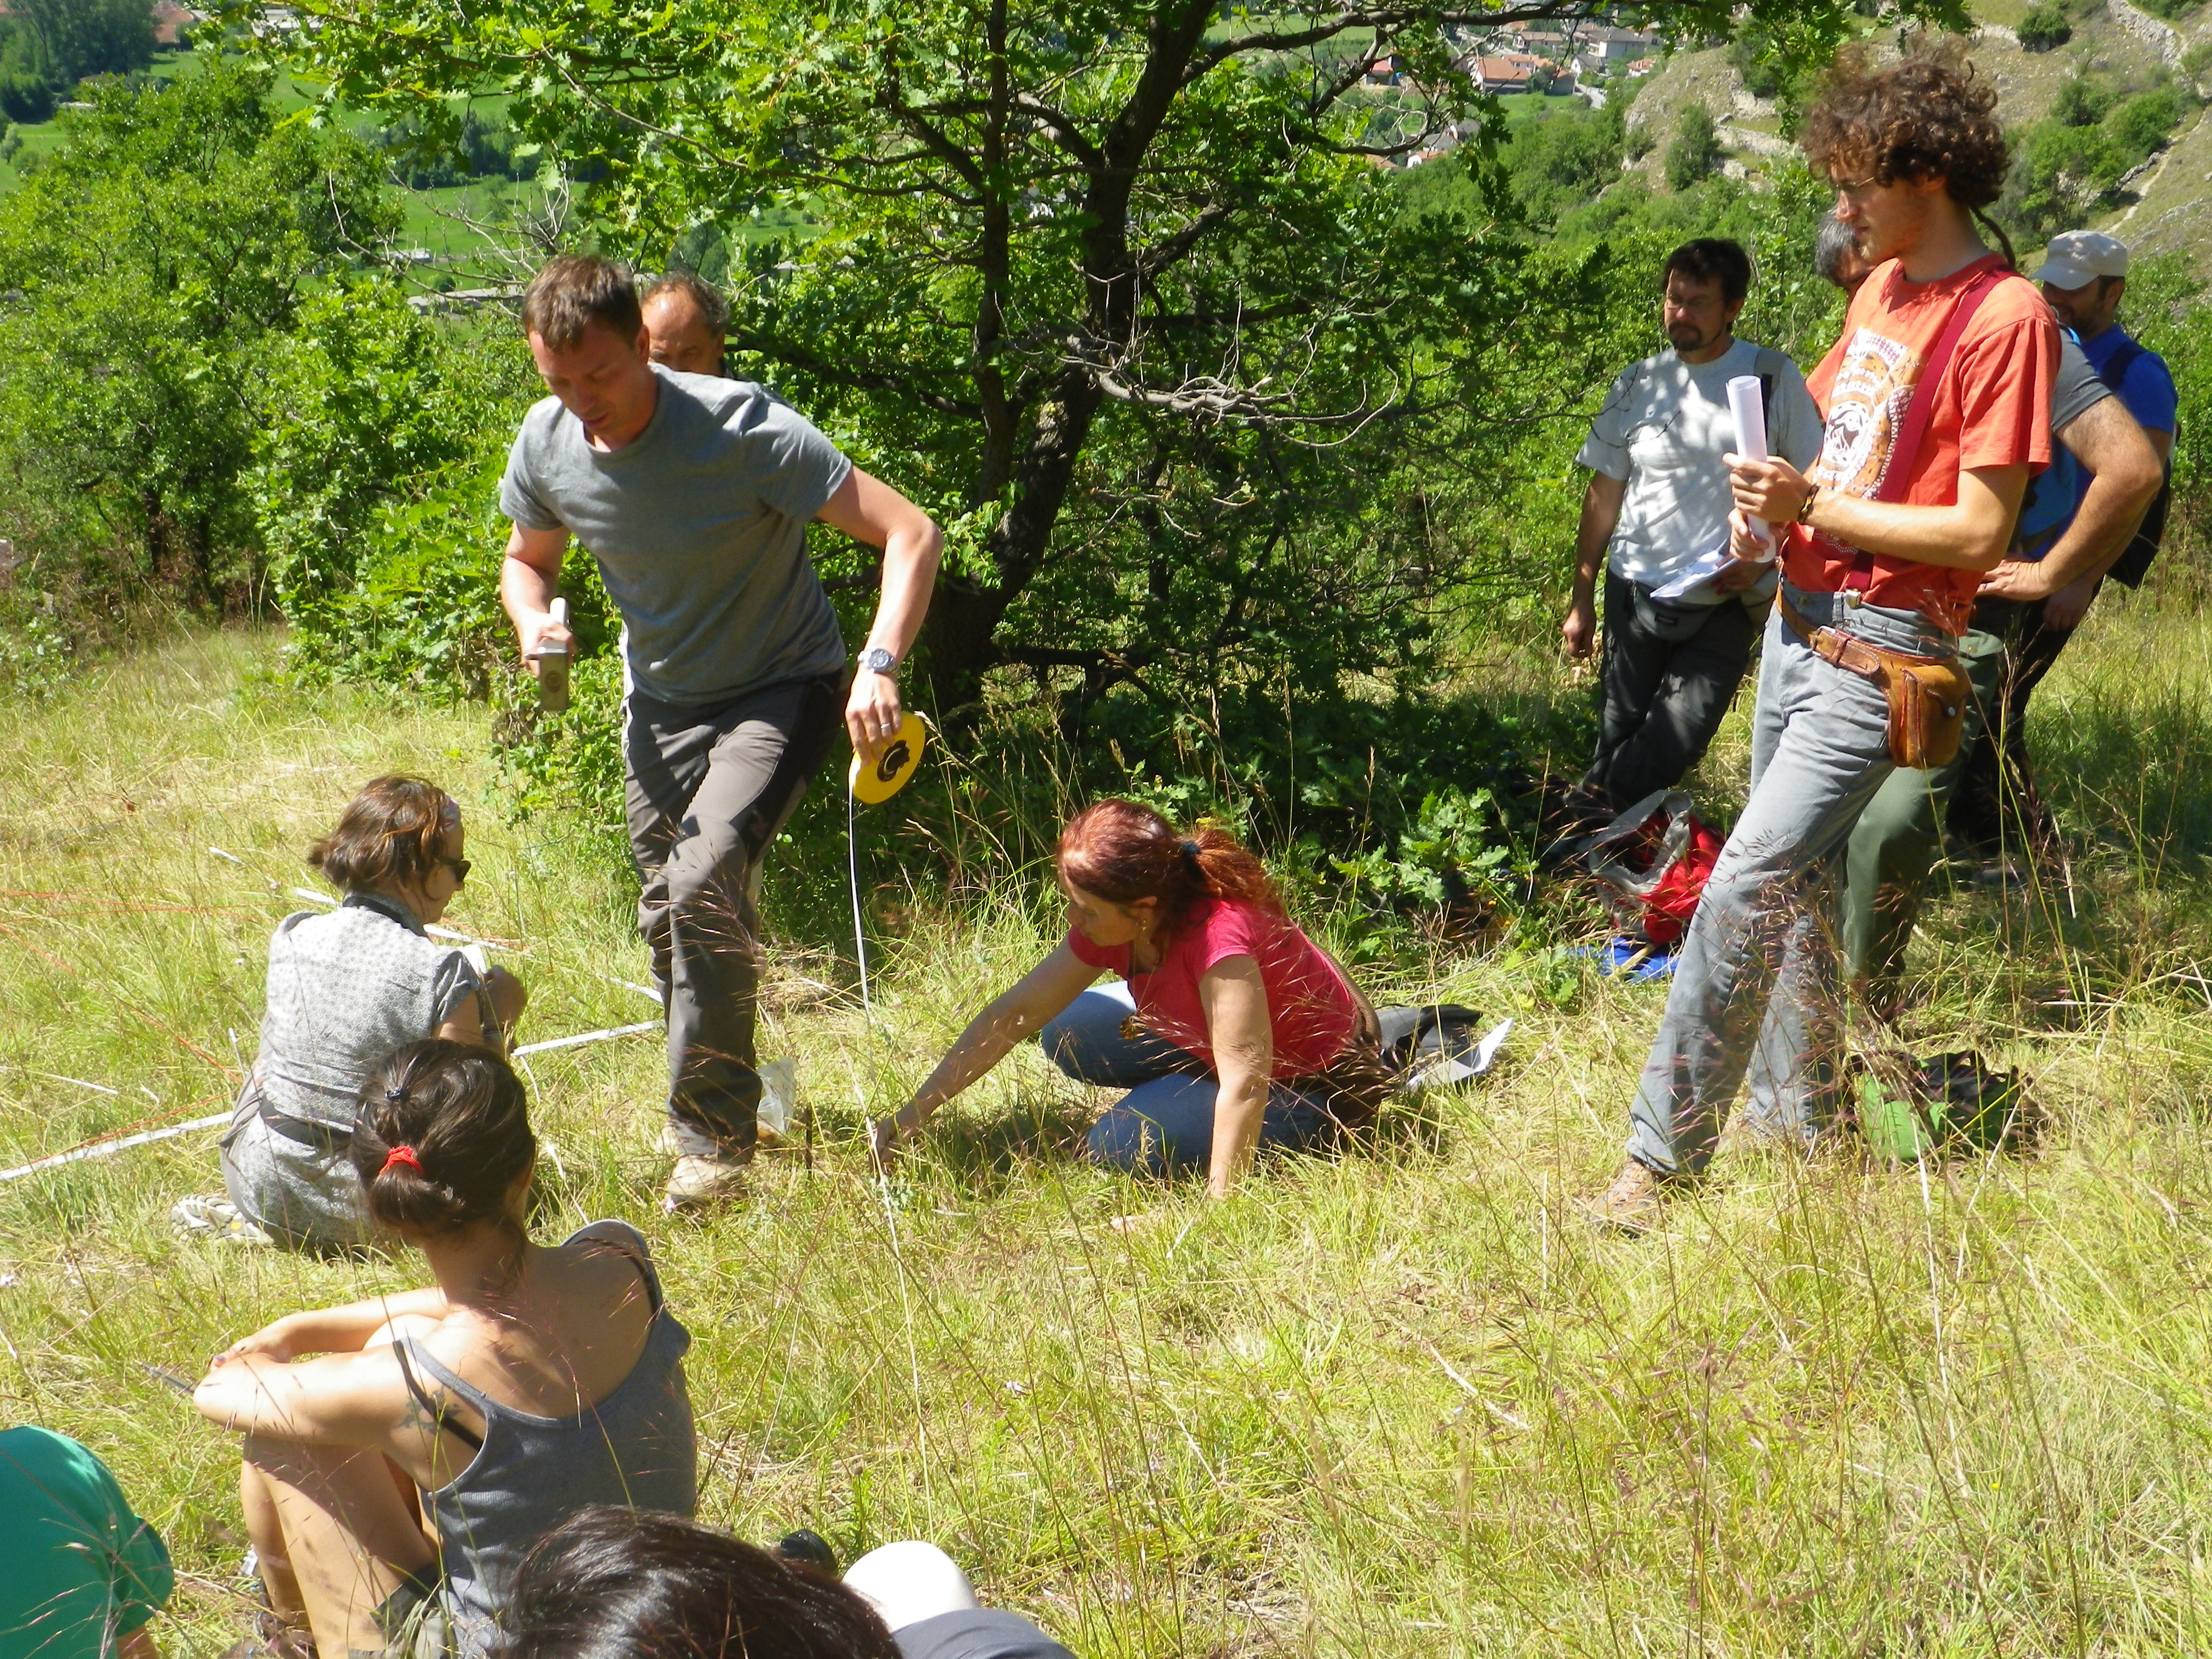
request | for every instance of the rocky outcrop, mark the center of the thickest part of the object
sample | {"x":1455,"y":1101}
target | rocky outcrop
{"x":1763,"y":144}
{"x":2147,"y":29}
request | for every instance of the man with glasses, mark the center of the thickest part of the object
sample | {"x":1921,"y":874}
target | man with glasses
{"x":1657,"y":503}
{"x":1937,"y":402}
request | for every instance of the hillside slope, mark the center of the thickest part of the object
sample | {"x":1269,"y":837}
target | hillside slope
{"x":2116,"y":43}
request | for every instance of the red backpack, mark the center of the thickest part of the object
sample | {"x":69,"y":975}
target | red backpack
{"x":1656,"y":857}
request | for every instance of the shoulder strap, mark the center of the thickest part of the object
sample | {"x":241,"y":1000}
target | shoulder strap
{"x":2117,"y":365}
{"x":1904,"y":447}
{"x":1767,"y":364}
{"x":626,"y":1241}
{"x":439,"y":1415}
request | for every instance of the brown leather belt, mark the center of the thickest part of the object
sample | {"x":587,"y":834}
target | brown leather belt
{"x":1844,"y":650}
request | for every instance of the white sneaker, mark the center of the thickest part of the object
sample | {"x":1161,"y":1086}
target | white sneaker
{"x":217,"y":1219}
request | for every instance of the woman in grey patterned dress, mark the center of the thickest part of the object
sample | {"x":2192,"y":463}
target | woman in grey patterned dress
{"x":346,"y":988}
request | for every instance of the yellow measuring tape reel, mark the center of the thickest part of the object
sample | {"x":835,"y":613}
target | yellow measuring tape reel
{"x":901,"y":759}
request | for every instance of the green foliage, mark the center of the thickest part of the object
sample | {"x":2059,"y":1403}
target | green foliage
{"x":26,"y":94}
{"x":1564,"y":158}
{"x":1108,"y":275}
{"x":1453,"y":854}
{"x":366,"y":406}
{"x":2164,"y":309}
{"x":158,"y":253}
{"x":75,"y":39}
{"x":2045,"y":28}
{"x":479,"y":148}
{"x":1695,"y":150}
{"x":2068,"y":168}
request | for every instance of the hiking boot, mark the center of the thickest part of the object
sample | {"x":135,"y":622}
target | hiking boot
{"x":697,"y":1182}
{"x":1631,"y":1204}
{"x":216,"y":1219}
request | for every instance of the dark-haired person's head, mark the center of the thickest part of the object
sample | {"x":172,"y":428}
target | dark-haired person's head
{"x":687,"y":319}
{"x":1702,"y":291}
{"x":1836,"y":256}
{"x":400,"y":837}
{"x":1128,"y":873}
{"x":1900,"y":140}
{"x":639,"y":1584}
{"x":587,"y":336}
{"x":442,"y":1143}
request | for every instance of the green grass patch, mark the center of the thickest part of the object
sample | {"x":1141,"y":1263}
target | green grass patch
{"x":1402,"y":1402}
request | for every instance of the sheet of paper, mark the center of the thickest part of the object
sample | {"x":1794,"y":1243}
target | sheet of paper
{"x":1698,"y":577}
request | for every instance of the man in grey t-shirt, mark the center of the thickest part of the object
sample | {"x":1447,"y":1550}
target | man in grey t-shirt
{"x":1658,"y":502}
{"x":694,"y":495}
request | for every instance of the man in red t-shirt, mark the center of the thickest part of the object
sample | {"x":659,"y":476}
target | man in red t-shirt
{"x":1883,"y":541}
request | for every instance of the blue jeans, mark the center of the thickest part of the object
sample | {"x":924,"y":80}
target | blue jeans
{"x":1756,"y":987}
{"x":1164,"y":1124}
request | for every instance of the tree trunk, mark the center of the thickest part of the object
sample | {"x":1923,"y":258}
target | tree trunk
{"x":959,"y":639}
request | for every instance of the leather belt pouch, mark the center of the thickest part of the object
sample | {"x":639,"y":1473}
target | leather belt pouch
{"x":1927,"y":695}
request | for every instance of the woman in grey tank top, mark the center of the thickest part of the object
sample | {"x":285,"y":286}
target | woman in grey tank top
{"x":392,"y":1487}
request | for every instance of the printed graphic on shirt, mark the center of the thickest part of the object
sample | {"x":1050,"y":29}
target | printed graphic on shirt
{"x":1866,"y":406}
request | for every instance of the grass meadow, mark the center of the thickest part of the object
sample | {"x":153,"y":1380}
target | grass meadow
{"x":1402,"y":1402}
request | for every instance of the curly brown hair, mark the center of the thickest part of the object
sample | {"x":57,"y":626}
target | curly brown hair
{"x":1927,"y":115}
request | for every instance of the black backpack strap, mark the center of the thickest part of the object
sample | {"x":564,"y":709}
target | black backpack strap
{"x":2117,"y":365}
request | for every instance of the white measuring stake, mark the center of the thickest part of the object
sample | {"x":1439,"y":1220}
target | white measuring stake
{"x":105,"y":1147}
{"x":853,"y":882}
{"x":590,"y":1036}
{"x":1748,"y":404}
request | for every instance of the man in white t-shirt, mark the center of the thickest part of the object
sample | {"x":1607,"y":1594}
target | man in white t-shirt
{"x":1657,"y":502}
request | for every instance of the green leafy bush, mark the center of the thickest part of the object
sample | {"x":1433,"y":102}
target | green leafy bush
{"x":2068,"y":168}
{"x":1696,"y":149}
{"x":159,"y":254}
{"x":2045,"y":28}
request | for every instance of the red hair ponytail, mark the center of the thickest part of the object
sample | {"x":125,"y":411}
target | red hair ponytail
{"x":1123,"y":853}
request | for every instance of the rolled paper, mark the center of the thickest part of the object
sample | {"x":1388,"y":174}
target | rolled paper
{"x":1747,"y":403}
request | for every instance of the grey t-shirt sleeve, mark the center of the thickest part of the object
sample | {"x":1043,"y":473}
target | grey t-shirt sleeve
{"x":800,"y":469}
{"x":454,"y":986}
{"x":1606,"y":449}
{"x":517,"y":491}
{"x":2077,"y":389}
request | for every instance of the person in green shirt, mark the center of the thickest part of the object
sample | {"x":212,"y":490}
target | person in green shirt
{"x":80,"y":1575}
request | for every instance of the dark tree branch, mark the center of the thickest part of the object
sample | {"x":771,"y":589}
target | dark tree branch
{"x":1063,"y":129}
{"x":845,"y":373}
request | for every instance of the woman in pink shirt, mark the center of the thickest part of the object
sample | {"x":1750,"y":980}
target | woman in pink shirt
{"x":1229,"y":1027}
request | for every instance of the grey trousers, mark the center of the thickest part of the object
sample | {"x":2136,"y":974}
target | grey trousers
{"x":1670,"y":672}
{"x":1893,"y":847}
{"x":1756,"y":986}
{"x":706,"y":791}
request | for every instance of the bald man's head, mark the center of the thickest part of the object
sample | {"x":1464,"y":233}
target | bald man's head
{"x":687,"y":320}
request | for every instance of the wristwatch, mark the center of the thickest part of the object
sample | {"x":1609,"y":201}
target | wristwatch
{"x":877,"y":660}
